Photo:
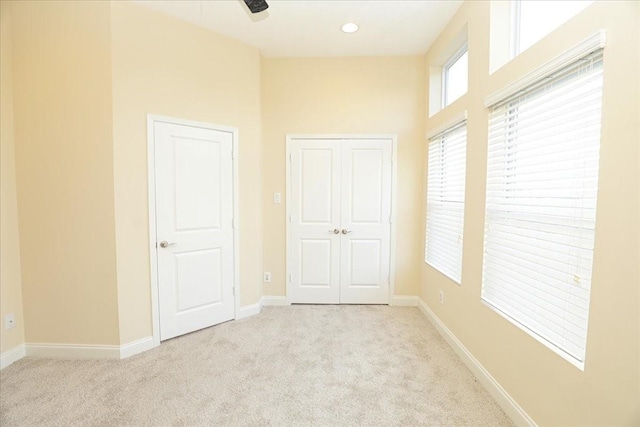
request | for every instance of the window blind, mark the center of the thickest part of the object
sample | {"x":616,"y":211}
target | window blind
{"x":445,"y":201}
{"x":542,"y":182}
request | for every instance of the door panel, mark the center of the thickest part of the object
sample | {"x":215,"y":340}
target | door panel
{"x":315,"y":212}
{"x":345,"y":185}
{"x":197,"y":165}
{"x":316,"y":263}
{"x":365,"y":217}
{"x":365,"y":195}
{"x":316,"y":190}
{"x":193,"y":268}
{"x":364,"y":258}
{"x":194,"y":213}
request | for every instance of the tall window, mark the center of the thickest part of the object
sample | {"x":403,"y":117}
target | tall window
{"x":455,"y":74}
{"x":542,"y":181}
{"x":445,"y":201}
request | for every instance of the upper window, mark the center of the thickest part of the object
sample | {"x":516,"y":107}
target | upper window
{"x":542,"y":182}
{"x":445,"y":201}
{"x":455,"y":76}
{"x":516,"y":25}
{"x":534,"y":19}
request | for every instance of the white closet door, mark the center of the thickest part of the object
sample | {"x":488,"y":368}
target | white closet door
{"x":339,"y":228}
{"x":194,"y":212}
{"x":315,"y":216}
{"x":365,"y":221}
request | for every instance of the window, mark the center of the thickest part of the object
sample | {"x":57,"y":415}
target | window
{"x":445,"y":201}
{"x":534,"y":19}
{"x":542,"y":181}
{"x":516,"y":25}
{"x":448,"y":72}
{"x":455,"y":76}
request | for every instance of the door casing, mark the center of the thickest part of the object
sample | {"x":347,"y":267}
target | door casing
{"x":394,"y":175}
{"x":151,"y":180}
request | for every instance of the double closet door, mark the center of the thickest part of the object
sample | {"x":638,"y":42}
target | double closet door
{"x":340,"y":220}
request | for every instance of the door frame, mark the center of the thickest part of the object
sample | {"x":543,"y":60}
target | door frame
{"x":151,"y":188}
{"x":394,"y":180}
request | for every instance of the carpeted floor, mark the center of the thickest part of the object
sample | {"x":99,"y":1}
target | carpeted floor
{"x":288,"y":366}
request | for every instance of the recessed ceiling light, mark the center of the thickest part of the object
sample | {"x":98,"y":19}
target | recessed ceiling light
{"x":349,"y":27}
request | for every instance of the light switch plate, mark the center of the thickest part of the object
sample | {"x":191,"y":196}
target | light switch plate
{"x":277,"y":198}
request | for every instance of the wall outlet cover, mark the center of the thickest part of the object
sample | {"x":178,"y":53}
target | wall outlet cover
{"x":10,"y":321}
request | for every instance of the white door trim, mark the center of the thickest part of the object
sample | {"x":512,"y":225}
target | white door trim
{"x":151,"y":180}
{"x":394,"y":180}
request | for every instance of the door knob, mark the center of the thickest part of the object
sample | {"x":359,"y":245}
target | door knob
{"x":335,"y":231}
{"x":165,"y":244}
{"x":345,"y":231}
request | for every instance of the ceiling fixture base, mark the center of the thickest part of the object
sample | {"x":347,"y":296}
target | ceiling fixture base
{"x":256,"y":6}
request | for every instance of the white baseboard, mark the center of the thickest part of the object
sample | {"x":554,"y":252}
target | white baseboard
{"x":506,"y":402}
{"x":72,"y":351}
{"x":249,"y":310}
{"x":404,"y":301}
{"x":12,"y":355}
{"x":83,"y":351}
{"x":274,"y":300}
{"x":136,"y":347}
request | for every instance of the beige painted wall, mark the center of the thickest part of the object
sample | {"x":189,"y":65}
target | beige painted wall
{"x":64,"y":166}
{"x":344,"y":95}
{"x":10,"y":279}
{"x":169,"y":67}
{"x":550,"y":389}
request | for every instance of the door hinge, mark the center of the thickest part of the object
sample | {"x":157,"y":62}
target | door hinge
{"x":233,"y":223}
{"x":290,"y":218}
{"x":389,"y":219}
{"x":233,"y":154}
{"x":289,"y":277}
{"x":389,"y":279}
{"x":234,"y":291}
{"x":290,"y":157}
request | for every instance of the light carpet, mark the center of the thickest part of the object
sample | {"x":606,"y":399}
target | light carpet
{"x":288,"y":366}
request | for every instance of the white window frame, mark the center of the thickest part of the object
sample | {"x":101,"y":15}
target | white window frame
{"x":523,"y":85}
{"x":445,"y":74}
{"x":514,"y":40}
{"x":435,"y":137}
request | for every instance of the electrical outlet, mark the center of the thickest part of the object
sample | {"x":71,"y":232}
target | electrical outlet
{"x":10,"y":321}
{"x":277,"y":198}
{"x":267,"y":277}
{"x":441,"y":297}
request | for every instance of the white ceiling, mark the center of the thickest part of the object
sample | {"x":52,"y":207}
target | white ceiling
{"x":311,"y":28}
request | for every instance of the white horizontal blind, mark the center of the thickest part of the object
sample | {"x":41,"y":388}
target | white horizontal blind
{"x":542,"y":181}
{"x":445,"y":201}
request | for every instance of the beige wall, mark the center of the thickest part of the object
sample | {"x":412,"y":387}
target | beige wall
{"x":10,"y":280}
{"x":550,"y":389}
{"x":169,"y":67}
{"x":344,"y":95}
{"x":64,"y":165}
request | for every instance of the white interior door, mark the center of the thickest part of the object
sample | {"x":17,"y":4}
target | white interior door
{"x":366,"y":222}
{"x":339,"y":227}
{"x":194,"y":230}
{"x":315,"y":221}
